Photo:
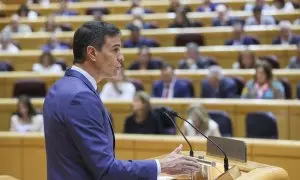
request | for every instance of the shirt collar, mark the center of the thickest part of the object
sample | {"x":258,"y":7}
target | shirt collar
{"x":86,"y":75}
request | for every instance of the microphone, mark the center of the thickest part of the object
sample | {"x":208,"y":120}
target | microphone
{"x":164,"y":111}
{"x":167,"y":111}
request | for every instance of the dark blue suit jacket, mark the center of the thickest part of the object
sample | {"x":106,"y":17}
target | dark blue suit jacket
{"x":227,"y":89}
{"x":294,"y":40}
{"x":152,"y":64}
{"x":79,"y":136}
{"x":247,"y":40}
{"x":182,"y":89}
{"x":142,"y":42}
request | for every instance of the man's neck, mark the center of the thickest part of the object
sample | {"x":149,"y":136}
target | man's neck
{"x":90,"y":70}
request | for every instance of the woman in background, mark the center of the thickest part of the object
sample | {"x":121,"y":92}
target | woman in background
{"x":47,"y":64}
{"x":263,"y":85}
{"x":246,"y":60}
{"x":198,"y":116}
{"x":26,"y":119}
{"x":143,"y":119}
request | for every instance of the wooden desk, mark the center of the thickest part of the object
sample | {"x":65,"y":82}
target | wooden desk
{"x":237,"y":109}
{"x":166,"y":37}
{"x":147,"y":77}
{"x":28,"y":152}
{"x":161,"y":19}
{"x":225,"y":55}
{"x":118,"y":7}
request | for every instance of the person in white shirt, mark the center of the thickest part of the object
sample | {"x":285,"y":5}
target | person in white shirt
{"x":51,"y":25}
{"x":47,"y":64}
{"x":198,"y":116}
{"x":282,"y":5}
{"x":25,"y":12}
{"x":6,"y":44}
{"x":16,"y":27}
{"x":262,"y":3}
{"x":118,"y":88}
{"x":26,"y":119}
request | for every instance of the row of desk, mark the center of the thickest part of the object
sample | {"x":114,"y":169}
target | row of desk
{"x":165,"y":37}
{"x":116,"y":7}
{"x":286,"y":111}
{"x":225,"y":55}
{"x":161,"y":19}
{"x":24,"y":157}
{"x":8,"y":79}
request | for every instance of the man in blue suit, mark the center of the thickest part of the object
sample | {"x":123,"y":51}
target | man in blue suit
{"x":169,"y":86}
{"x":79,"y":136}
{"x":217,"y":86}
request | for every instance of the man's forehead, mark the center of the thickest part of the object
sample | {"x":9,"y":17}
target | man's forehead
{"x":113,"y":40}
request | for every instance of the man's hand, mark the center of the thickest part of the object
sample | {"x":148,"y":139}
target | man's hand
{"x":176,"y":163}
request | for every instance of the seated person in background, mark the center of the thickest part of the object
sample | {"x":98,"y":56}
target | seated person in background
{"x":259,"y":19}
{"x":297,"y":21}
{"x":63,"y":9}
{"x":44,"y":3}
{"x":218,"y":86}
{"x":26,"y":119}
{"x":47,"y":64}
{"x":136,"y":7}
{"x":295,"y":3}
{"x":262,"y":3}
{"x":294,"y":62}
{"x":286,"y":36}
{"x":263,"y":86}
{"x":139,"y":22}
{"x":50,"y":25}
{"x":170,"y":86}
{"x":207,"y":6}
{"x":143,"y":120}
{"x":198,"y":116}
{"x":182,"y":21}
{"x":175,"y":5}
{"x":15,"y":26}
{"x":245,"y":60}
{"x":145,"y":61}
{"x":282,"y":5}
{"x":193,"y":59}
{"x":239,"y":37}
{"x":118,"y":88}
{"x":136,"y":40}
{"x":25,"y":12}
{"x":6,"y":44}
{"x":54,"y":44}
{"x":223,"y":17}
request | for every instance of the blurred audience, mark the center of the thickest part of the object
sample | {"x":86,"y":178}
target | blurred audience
{"x":263,"y":85}
{"x":50,"y":25}
{"x":139,"y":22}
{"x":182,"y":21}
{"x":282,"y":5}
{"x":26,"y":119}
{"x":223,"y":17}
{"x":64,"y":10}
{"x":294,"y":62}
{"x":193,"y":59}
{"x":25,"y":12}
{"x":260,"y":3}
{"x":143,"y":120}
{"x":286,"y":36}
{"x":169,"y":86}
{"x":175,"y":5}
{"x":6,"y":44}
{"x":207,"y":6}
{"x":47,"y":64}
{"x":297,"y":21}
{"x":218,"y":86}
{"x":118,"y":88}
{"x":198,"y":116}
{"x":137,"y":8}
{"x":240,"y":38}
{"x":44,"y":3}
{"x":136,"y":40}
{"x":260,"y":19}
{"x":245,"y":60}
{"x":16,"y":27}
{"x":145,"y":61}
{"x":55,"y":44}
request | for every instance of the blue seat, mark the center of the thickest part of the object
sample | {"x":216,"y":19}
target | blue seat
{"x":261,"y":125}
{"x":224,"y":122}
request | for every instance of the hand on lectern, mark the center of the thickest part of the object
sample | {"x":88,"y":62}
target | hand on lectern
{"x":176,"y":163}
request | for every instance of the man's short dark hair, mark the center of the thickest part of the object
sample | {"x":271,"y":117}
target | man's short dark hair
{"x":91,"y":33}
{"x":166,"y":66}
{"x":257,"y":9}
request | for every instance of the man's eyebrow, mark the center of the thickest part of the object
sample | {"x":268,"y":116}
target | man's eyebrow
{"x":116,"y":45}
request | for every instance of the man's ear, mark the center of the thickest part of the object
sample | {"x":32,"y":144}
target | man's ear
{"x":91,"y":53}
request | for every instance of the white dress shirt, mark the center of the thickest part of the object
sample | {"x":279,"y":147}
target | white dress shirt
{"x":109,"y":91}
{"x":18,"y":125}
{"x":94,"y":83}
{"x":54,"y":68}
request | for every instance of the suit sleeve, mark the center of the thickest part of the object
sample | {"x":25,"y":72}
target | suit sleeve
{"x":85,"y":123}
